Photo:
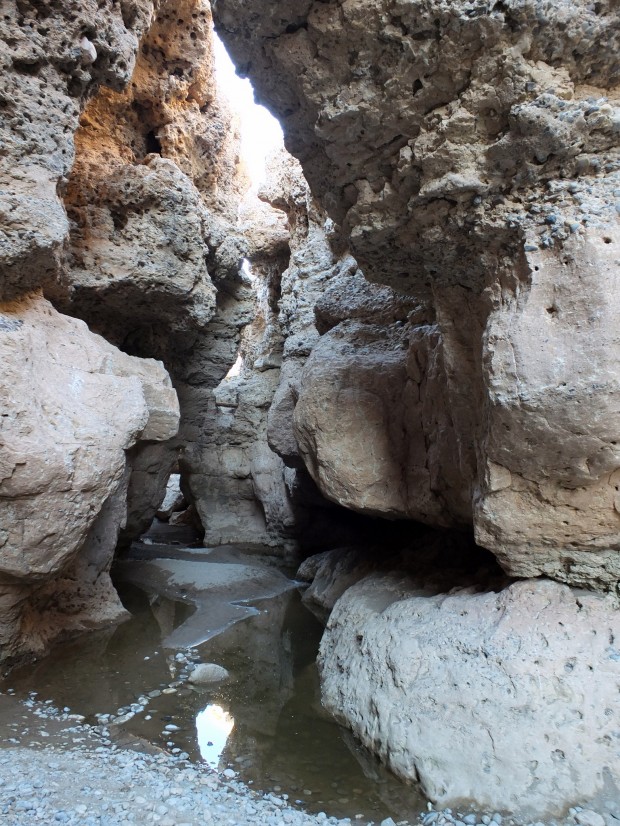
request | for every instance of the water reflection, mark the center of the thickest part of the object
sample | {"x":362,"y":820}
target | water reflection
{"x":266,"y":722}
{"x":213,"y":725}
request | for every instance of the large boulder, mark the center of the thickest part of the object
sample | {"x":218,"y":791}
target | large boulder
{"x":506,"y":698}
{"x":374,"y":426}
{"x":72,"y":405}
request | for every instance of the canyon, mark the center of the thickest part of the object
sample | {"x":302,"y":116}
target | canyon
{"x":422,"y":302}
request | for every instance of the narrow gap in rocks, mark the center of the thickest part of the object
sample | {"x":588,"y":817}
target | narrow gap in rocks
{"x":322,"y":452}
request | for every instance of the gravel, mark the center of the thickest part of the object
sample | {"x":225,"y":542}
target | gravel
{"x":108,"y":787}
{"x":74,"y":774}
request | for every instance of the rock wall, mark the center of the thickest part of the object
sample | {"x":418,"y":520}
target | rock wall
{"x":121,"y":181}
{"x":255,"y":481}
{"x":154,"y":256}
{"x":468,"y":155}
{"x":72,"y":404}
{"x":52,"y":58}
{"x":459,"y":368}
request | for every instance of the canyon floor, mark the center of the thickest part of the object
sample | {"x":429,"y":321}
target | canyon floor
{"x":106,"y":730}
{"x":57,"y":769}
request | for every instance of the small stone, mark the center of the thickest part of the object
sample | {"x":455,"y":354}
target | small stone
{"x":88,"y":53}
{"x":589,"y":818}
{"x":206,"y":673}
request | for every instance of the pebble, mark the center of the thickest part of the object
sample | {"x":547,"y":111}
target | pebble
{"x":125,"y":787}
{"x":589,"y":818}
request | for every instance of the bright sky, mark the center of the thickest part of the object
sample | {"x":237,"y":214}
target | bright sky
{"x":260,"y":131}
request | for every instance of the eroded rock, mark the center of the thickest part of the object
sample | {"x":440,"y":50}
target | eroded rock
{"x":469,"y":157}
{"x":51,"y":59}
{"x":491,"y":697}
{"x":72,"y":405}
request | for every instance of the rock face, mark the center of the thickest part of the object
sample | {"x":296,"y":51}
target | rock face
{"x":505,"y":699}
{"x":249,"y":480}
{"x":72,"y":405}
{"x":51,"y":59}
{"x":152,"y":203}
{"x":469,"y":155}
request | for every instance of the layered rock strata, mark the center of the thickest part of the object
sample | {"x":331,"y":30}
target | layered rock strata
{"x":469,"y":156}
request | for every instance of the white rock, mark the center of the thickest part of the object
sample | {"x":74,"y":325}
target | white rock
{"x":589,"y":818}
{"x":491,"y":697}
{"x":205,"y":673}
{"x":88,"y":52}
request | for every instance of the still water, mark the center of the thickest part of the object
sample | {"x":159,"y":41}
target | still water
{"x":266,"y":722}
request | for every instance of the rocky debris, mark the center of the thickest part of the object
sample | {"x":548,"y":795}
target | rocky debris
{"x":73,"y":404}
{"x":81,"y":788}
{"x":488,"y":696}
{"x":486,"y":197}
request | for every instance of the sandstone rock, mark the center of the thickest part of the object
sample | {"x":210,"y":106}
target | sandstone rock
{"x":238,"y":483}
{"x":139,"y":243}
{"x":44,"y":79}
{"x":73,"y":404}
{"x":485,"y":195}
{"x":330,"y":574}
{"x":548,"y":501}
{"x":207,"y":673}
{"x":492,"y":697}
{"x":152,"y":201}
{"x":368,"y":419}
{"x":437,"y":560}
{"x":411,"y":120}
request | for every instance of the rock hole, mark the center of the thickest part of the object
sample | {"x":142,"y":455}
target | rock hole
{"x":295,"y":27}
{"x":119,"y":219}
{"x":153,"y":146}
